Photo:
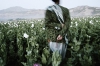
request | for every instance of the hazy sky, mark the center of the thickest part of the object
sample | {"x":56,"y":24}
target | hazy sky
{"x":43,"y":4}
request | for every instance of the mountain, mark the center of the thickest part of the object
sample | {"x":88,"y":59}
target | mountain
{"x":22,"y":13}
{"x":85,"y":11}
{"x":14,"y":9}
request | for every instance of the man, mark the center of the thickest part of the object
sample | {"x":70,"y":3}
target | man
{"x":57,"y":23}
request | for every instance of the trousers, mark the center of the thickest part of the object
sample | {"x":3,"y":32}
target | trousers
{"x":60,"y":47}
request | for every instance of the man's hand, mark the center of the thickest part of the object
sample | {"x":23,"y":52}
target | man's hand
{"x":62,"y":25}
{"x":59,"y":38}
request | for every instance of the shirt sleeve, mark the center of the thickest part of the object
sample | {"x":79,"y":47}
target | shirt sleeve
{"x":66,"y":26}
{"x":48,"y":19}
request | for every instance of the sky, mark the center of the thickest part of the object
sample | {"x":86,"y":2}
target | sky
{"x":43,"y":4}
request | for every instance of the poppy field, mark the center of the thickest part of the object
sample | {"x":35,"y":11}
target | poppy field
{"x":23,"y":43}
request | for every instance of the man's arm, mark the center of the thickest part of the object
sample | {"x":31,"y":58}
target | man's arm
{"x":47,"y":18}
{"x":66,"y":26}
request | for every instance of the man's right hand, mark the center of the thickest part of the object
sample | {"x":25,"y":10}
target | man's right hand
{"x":59,"y":38}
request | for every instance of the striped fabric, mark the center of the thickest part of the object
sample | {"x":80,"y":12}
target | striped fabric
{"x":58,"y":11}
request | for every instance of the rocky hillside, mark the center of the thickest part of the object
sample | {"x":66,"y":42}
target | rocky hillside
{"x":21,"y":13}
{"x":85,"y":11}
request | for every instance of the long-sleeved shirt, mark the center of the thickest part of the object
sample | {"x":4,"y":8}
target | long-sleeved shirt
{"x":54,"y":27}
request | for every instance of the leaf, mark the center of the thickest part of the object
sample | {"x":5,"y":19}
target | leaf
{"x":43,"y":59}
